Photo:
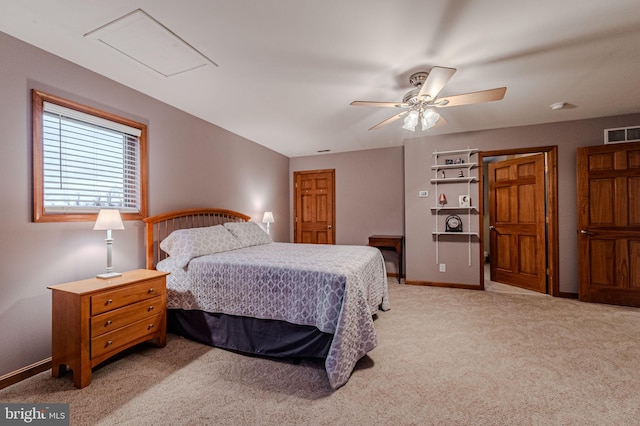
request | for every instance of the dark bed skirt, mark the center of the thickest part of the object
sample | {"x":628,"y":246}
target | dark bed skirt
{"x":250,"y":335}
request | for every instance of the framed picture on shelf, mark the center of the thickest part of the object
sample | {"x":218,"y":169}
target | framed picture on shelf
{"x":464,"y":201}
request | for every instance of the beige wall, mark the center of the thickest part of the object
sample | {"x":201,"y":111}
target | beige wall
{"x":192,"y":164}
{"x":419,"y":222}
{"x":369,"y":195}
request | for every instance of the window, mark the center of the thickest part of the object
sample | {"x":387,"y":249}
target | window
{"x":84,"y":160}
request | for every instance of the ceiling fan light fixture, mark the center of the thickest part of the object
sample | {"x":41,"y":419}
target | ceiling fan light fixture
{"x":411,"y":121}
{"x":419,"y":102}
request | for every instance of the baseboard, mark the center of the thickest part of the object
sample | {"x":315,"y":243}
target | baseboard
{"x":439,"y":284}
{"x":568,"y":295}
{"x":24,"y":373}
{"x":475,"y":287}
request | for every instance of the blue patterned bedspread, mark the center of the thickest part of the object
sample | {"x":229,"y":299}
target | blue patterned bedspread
{"x":336,"y":288}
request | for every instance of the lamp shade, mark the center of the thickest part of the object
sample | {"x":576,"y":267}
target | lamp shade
{"x":443,"y":199}
{"x":429,"y":119}
{"x":411,"y":120}
{"x":268,"y":217}
{"x":108,"y":219}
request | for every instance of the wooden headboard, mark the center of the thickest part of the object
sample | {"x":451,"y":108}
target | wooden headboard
{"x":159,"y":227}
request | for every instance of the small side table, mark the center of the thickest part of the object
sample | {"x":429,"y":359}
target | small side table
{"x":94,"y":319}
{"x":394,"y":242}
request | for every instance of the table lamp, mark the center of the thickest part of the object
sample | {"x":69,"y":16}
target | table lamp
{"x":108,"y":219}
{"x":268,"y":219}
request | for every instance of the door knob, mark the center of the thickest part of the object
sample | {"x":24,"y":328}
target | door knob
{"x":492,"y":228}
{"x":329,"y":227}
{"x":585,"y":232}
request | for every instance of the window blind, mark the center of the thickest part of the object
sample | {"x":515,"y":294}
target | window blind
{"x":89,"y":162}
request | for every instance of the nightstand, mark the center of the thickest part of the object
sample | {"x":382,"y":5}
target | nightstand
{"x":94,"y":319}
{"x":389,"y":241}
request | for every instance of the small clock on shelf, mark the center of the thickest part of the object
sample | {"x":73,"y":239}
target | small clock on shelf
{"x":453,"y":223}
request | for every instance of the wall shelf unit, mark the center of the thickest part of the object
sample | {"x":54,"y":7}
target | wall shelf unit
{"x":472,"y":208}
{"x":454,"y":180}
{"x":446,"y":163}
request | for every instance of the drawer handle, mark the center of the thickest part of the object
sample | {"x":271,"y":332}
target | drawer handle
{"x":150,"y":326}
{"x":108,"y":323}
{"x":151,"y":290}
{"x":109,"y":343}
{"x":110,"y":301}
{"x":150,"y":308}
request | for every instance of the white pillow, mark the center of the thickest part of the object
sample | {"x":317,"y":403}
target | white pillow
{"x":184,"y":244}
{"x":249,"y":233}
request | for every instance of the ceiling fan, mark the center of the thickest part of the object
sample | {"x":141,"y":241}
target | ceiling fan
{"x":419,"y":103}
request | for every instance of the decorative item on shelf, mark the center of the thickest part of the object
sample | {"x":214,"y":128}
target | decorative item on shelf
{"x":448,"y":161}
{"x":442,"y":200}
{"x":108,"y":219}
{"x":453,"y":223}
{"x":460,"y":173}
{"x":443,"y":175}
{"x":268,"y":219}
{"x":464,"y":200}
{"x":459,"y":161}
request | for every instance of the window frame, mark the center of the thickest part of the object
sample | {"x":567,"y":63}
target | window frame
{"x":39,"y":212}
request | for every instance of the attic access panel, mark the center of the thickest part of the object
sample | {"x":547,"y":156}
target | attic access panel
{"x":145,"y":40}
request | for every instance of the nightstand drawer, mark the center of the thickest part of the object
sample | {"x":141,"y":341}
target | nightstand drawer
{"x":109,"y":300}
{"x":123,"y":336}
{"x":112,"y":320}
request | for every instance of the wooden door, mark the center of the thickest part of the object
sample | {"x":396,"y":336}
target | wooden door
{"x":517,"y":222}
{"x":314,"y":207}
{"x":609,"y":223}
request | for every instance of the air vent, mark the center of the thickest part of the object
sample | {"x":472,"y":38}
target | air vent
{"x":622,"y":134}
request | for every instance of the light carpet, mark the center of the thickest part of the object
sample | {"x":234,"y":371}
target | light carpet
{"x":445,"y":357}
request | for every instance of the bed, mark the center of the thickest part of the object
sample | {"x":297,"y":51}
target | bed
{"x":232,"y":287}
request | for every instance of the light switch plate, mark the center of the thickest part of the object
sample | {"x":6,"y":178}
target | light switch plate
{"x":423,"y":194}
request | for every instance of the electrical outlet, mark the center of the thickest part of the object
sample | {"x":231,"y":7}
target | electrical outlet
{"x":423,"y":194}
{"x":443,"y":267}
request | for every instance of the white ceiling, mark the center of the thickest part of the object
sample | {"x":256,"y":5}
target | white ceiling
{"x":288,"y":69}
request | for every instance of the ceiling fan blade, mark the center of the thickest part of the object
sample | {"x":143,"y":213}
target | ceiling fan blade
{"x":436,"y":80}
{"x":389,"y":120}
{"x":441,"y":122}
{"x":471,"y":98}
{"x":380,"y":104}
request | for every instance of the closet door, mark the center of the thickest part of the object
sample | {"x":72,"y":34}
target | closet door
{"x":609,"y":223}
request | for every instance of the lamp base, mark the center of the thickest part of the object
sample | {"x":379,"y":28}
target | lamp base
{"x":108,"y":275}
